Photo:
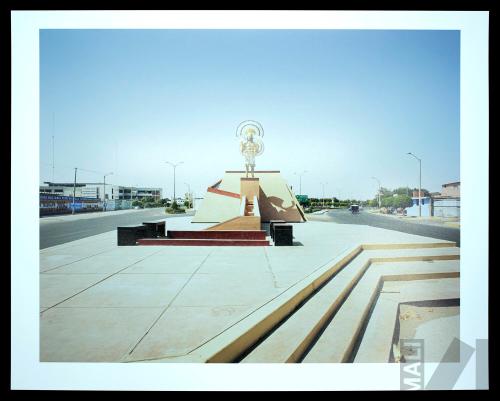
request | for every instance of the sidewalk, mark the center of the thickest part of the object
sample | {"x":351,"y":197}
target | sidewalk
{"x":453,"y":222}
{"x":101,"y":302}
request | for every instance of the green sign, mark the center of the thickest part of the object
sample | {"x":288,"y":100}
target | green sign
{"x":302,"y":198}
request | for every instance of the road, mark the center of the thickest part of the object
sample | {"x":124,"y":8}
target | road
{"x":391,"y":223}
{"x":56,"y":230}
{"x":61,"y":229}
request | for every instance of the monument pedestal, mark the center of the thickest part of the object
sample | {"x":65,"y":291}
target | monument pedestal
{"x":249,"y":187}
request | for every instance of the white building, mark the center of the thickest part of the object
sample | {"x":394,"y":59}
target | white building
{"x":96,"y":190}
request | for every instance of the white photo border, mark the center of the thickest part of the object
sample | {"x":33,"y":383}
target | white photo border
{"x":26,"y":370}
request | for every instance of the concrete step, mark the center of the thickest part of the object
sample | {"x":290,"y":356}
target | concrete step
{"x":291,"y":340}
{"x":339,"y":337}
{"x":284,"y":328}
{"x":375,"y":343}
{"x":219,"y":234}
{"x":201,"y":242}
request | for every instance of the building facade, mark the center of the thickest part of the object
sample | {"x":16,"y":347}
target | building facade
{"x":451,"y":189}
{"x":96,"y":191}
{"x":447,"y":203}
{"x":132,"y":193}
{"x":443,"y":204}
{"x":426,"y":208}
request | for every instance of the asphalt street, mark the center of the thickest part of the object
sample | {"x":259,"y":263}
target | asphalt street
{"x":59,"y":230}
{"x":56,"y":230}
{"x":391,"y":223}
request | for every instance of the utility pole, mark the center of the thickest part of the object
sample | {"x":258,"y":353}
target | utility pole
{"x":174,"y":165}
{"x":323,"y":185}
{"x":53,"y":129}
{"x":419,"y":183}
{"x":375,"y":178}
{"x":74,"y":192}
{"x":104,"y":193}
{"x":300,"y":180}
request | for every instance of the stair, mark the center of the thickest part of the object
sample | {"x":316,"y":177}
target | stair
{"x":202,"y":242}
{"x":323,"y":317}
{"x":220,"y":234}
{"x":249,"y":209}
{"x":210,"y":238}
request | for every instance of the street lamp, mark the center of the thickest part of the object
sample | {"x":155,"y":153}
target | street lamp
{"x":174,"y":165}
{"x":104,"y":192}
{"x":190,"y":199}
{"x":300,"y":180}
{"x":74,"y":192}
{"x":419,"y":183}
{"x":323,"y":185}
{"x":375,"y":178}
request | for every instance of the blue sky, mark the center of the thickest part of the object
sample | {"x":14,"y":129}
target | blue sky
{"x":345,"y":105}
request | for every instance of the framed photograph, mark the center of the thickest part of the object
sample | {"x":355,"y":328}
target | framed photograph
{"x":250,"y":200}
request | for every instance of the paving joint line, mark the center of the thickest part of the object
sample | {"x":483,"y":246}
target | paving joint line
{"x":100,"y":281}
{"x":168,"y":306}
{"x":79,"y":260}
{"x":270,"y":268}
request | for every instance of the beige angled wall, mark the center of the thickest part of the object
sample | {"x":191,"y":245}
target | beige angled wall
{"x":276,"y":200}
{"x":216,"y":208}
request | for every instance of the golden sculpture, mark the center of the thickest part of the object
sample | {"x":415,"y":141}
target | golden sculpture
{"x":250,"y":145}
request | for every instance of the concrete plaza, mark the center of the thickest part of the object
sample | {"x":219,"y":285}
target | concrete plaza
{"x":104,"y":303}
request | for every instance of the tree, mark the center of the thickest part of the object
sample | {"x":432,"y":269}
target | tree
{"x":385,"y":192}
{"x":402,"y":191}
{"x":402,"y":201}
{"x":387,"y":201}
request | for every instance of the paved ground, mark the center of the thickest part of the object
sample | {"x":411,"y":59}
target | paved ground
{"x":391,"y":223}
{"x":101,"y":302}
{"x":56,"y":230}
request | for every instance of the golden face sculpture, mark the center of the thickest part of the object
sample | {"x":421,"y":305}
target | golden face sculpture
{"x":249,"y":133}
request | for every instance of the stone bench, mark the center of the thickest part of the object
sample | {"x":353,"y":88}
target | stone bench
{"x":283,"y":234}
{"x":128,"y":235}
{"x":155,"y":229}
{"x":271,"y":226}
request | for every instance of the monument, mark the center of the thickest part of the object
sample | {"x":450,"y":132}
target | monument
{"x":236,"y":205}
{"x":241,"y":196}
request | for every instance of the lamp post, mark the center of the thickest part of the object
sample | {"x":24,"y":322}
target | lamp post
{"x":419,"y":183}
{"x":375,"y":178}
{"x":174,"y":165}
{"x":74,"y":192}
{"x":104,"y":190}
{"x":190,"y":199}
{"x":323,"y":186}
{"x":300,"y":180}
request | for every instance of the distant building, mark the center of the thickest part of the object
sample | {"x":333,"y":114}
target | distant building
{"x":132,"y":193}
{"x":96,"y":190}
{"x":452,"y":189}
{"x":426,"y":206}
